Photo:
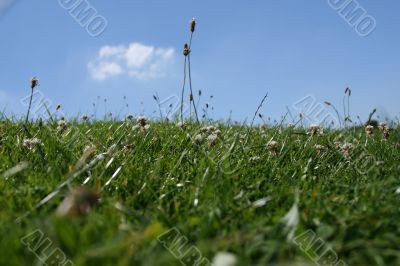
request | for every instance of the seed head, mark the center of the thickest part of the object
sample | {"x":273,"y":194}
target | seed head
{"x":186,"y":50}
{"x":129,"y":117}
{"x":34,"y":82}
{"x":193,"y":25}
{"x":85,"y":117}
{"x":191,"y":97}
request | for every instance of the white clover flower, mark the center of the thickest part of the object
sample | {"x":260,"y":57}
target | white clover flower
{"x":319,"y":148}
{"x":272,"y":146}
{"x":346,"y":148}
{"x":384,"y":129}
{"x":198,"y":139}
{"x":31,"y":144}
{"x":141,"y":121}
{"x":263,"y":127}
{"x":383,"y":125}
{"x":315,"y":129}
{"x":61,"y":124}
{"x":204,"y":129}
{"x":291,"y":125}
{"x":146,"y":128}
{"x":212,"y":139}
{"x":181,"y":125}
{"x":369,"y":130}
{"x":209,"y":130}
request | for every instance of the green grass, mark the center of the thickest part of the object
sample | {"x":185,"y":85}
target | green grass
{"x":353,"y":208}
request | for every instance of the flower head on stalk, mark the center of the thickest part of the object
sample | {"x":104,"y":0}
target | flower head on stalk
{"x":34,"y":82}
{"x":193,"y":25}
{"x":186,"y":50}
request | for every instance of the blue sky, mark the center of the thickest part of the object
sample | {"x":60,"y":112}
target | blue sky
{"x":241,"y":50}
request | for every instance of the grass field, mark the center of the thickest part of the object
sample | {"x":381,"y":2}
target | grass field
{"x":131,"y":193}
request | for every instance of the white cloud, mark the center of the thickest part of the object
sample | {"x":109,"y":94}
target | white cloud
{"x":104,"y":70}
{"x":136,"y":60}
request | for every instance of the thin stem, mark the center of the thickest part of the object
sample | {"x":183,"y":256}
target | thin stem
{"x":29,"y":108}
{"x":159,"y":106}
{"x":337,"y":114}
{"x":348,"y":106}
{"x":191,"y":91}
{"x":258,"y":109}
{"x":183,"y":89}
{"x":190,"y":112}
{"x":190,"y":41}
{"x":344,"y":112}
{"x":190,"y":78}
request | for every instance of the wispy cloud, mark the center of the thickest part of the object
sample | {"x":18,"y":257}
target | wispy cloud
{"x":135,"y":60}
{"x":4,"y":4}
